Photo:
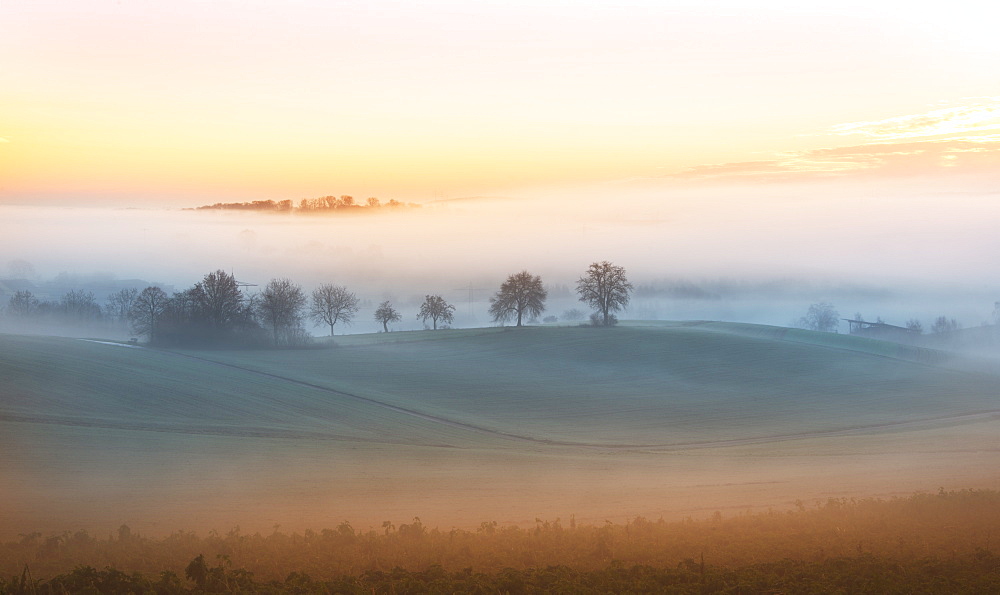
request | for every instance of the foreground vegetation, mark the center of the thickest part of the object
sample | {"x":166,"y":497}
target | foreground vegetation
{"x":925,"y":543}
{"x":975,"y":573}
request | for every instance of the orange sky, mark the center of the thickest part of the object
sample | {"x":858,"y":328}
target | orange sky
{"x":181,"y":103}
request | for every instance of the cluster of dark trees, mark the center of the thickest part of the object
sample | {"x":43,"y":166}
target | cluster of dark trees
{"x":217,"y":311}
{"x":323,"y":204}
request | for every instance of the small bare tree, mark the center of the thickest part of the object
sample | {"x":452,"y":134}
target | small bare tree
{"x":119,"y":303}
{"x":332,"y":304}
{"x":520,"y":294}
{"x":386,"y":314}
{"x":821,"y":317}
{"x":280,"y":307}
{"x":79,"y":305}
{"x":943,"y":324}
{"x":605,"y":288}
{"x":435,"y":308}
{"x":146,"y":311}
{"x":22,"y":304}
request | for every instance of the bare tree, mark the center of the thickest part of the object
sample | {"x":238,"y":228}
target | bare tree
{"x":119,"y":303}
{"x":914,"y":325}
{"x":386,"y":314}
{"x":942,"y":324}
{"x":435,"y":308}
{"x":332,"y":304}
{"x":22,"y":304}
{"x":520,"y":294}
{"x":605,"y":288}
{"x":79,"y":305}
{"x":280,"y":307}
{"x":821,"y":317}
{"x":146,"y":311}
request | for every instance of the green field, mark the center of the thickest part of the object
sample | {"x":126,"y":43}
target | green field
{"x":462,"y":426}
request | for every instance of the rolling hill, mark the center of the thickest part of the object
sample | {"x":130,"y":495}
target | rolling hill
{"x":466,"y":425}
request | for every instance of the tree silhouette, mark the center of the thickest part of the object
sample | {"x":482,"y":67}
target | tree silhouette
{"x":280,"y":307}
{"x":219,"y":299}
{"x":146,"y":311}
{"x":120,"y":303}
{"x":386,"y":314}
{"x":605,"y":288}
{"x":821,"y":317}
{"x":435,"y":308}
{"x":332,"y":304}
{"x":22,"y":304}
{"x":520,"y":294}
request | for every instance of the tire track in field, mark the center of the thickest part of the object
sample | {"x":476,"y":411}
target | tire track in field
{"x":241,"y":432}
{"x":953,"y":419}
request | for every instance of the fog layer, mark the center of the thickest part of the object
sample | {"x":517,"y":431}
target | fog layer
{"x":760,"y":256}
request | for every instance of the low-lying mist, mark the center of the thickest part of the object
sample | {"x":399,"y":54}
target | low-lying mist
{"x":759,"y":255}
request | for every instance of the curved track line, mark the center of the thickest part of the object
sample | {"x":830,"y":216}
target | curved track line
{"x":244,"y":432}
{"x":955,"y":419}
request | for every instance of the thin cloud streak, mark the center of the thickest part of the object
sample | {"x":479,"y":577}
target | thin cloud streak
{"x":980,"y":116}
{"x":926,"y":143}
{"x":886,"y":158}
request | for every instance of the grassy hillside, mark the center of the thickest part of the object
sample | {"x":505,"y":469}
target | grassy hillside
{"x":642,"y":386}
{"x":462,"y":426}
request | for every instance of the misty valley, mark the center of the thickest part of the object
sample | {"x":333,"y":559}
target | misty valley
{"x":556,"y":296}
{"x":225,"y":448}
{"x":319,"y":418}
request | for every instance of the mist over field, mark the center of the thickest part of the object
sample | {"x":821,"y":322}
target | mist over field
{"x":461,"y":427}
{"x":892,"y":251}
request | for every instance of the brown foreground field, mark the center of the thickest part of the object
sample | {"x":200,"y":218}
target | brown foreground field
{"x":940,"y":542}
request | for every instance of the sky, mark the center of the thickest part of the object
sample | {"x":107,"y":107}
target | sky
{"x":181,"y":103}
{"x":839,"y":144}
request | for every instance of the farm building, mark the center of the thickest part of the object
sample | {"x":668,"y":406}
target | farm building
{"x":882,"y":331}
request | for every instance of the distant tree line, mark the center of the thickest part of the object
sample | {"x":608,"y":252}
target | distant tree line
{"x":824,"y":317}
{"x":323,"y":204}
{"x":217,"y":311}
{"x":75,"y":307}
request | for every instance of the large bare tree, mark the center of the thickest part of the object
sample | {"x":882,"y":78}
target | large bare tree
{"x":385,"y":314}
{"x":219,"y":298}
{"x":332,"y":304}
{"x":520,"y":294}
{"x":605,"y":288}
{"x":280,"y":307}
{"x":435,"y":308}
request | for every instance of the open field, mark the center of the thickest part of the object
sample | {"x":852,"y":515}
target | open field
{"x":460,"y":427}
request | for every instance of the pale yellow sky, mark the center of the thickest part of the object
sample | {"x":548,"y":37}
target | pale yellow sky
{"x":184,"y":102}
